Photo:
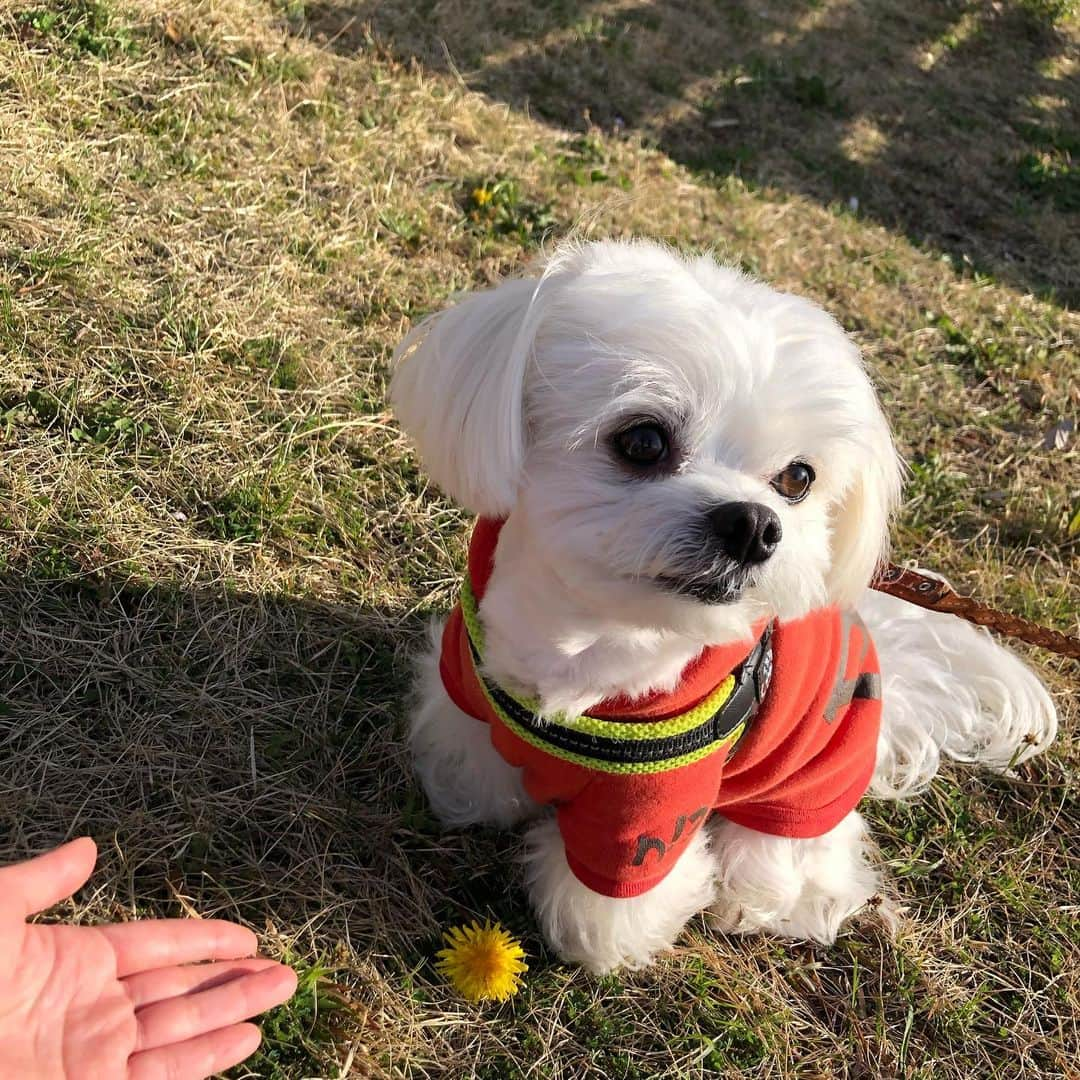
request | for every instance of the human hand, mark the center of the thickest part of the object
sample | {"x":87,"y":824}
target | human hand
{"x":128,"y":1001}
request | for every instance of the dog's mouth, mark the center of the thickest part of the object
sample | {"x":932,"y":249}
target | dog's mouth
{"x":701,"y":573}
{"x":713,"y":589}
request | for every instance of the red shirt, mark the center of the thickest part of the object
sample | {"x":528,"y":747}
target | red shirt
{"x":802,"y":765}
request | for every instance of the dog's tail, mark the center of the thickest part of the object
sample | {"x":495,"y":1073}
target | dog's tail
{"x":949,"y":688}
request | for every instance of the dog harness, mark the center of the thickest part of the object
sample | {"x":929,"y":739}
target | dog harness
{"x":777,"y":734}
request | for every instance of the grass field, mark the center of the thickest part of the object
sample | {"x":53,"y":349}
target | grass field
{"x":218,"y":217}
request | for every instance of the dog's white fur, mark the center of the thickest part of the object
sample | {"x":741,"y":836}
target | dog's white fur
{"x":511,"y":397}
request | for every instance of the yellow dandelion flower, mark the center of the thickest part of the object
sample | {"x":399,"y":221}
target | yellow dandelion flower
{"x":482,"y":962}
{"x":482,"y":196}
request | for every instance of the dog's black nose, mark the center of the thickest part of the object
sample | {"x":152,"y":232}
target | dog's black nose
{"x":748,"y":532}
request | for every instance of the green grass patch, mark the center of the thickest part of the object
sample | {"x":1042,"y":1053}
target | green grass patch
{"x":301,"y":1037}
{"x":247,"y":513}
{"x":936,"y":491}
{"x":277,"y":357}
{"x":408,"y":228}
{"x":498,"y":207}
{"x":1050,"y":12}
{"x":104,"y":422}
{"x":1053,"y":175}
{"x":585,"y":160}
{"x":82,"y":26}
{"x":984,"y":353}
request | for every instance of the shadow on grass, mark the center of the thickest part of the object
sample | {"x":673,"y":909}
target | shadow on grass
{"x":957,"y":124}
{"x":238,"y":756}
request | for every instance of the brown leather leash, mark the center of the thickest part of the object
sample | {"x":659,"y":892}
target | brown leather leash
{"x":936,"y":595}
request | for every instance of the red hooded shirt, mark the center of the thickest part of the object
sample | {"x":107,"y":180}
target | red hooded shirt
{"x":796,"y":768}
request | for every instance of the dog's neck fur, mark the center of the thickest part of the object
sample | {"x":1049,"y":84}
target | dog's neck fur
{"x":544,"y":638}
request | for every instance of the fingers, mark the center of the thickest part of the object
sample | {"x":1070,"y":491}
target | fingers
{"x":159,"y":943}
{"x":149,"y":987}
{"x":39,"y":883}
{"x":182,"y":1018}
{"x":196,"y":1058}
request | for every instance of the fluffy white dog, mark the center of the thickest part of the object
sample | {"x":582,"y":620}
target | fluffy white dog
{"x":681,"y":473}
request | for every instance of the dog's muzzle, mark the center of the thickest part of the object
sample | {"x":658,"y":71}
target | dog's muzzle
{"x":733,"y":540}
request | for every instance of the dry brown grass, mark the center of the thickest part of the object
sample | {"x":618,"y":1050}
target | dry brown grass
{"x":218,"y":217}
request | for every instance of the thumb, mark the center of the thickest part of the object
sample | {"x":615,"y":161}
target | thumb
{"x":39,"y":883}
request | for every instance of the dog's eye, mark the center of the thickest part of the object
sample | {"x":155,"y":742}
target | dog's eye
{"x":794,"y":482}
{"x":642,"y":444}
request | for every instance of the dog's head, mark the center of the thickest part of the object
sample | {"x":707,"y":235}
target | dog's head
{"x":697,"y":443}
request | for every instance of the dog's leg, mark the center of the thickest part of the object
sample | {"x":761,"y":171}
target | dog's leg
{"x":949,"y":688}
{"x":602,"y":932}
{"x":466,"y":780}
{"x":801,"y":889}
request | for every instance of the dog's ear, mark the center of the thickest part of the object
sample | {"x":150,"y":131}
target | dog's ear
{"x":457,"y":390}
{"x":862,"y":517}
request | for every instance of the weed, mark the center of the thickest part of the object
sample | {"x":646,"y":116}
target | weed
{"x":284,"y":68}
{"x":599,"y":30}
{"x":37,"y":265}
{"x":109,"y":422}
{"x":736,"y":1044}
{"x":277,"y":358}
{"x":317,"y":258}
{"x":249,"y":64}
{"x":298,"y":1034}
{"x":936,"y":491}
{"x":722,"y":163}
{"x":101,"y":422}
{"x":1050,"y":12}
{"x":585,"y":160}
{"x":497,"y":207}
{"x":85,"y":26}
{"x":245,"y":514}
{"x":810,"y":91}
{"x":187,"y":335}
{"x":984,"y":354}
{"x":54,"y":563}
{"x":1052,"y":138}
{"x":1054,"y":175}
{"x":408,"y":228}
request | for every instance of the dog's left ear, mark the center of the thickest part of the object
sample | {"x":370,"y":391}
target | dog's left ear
{"x":862,"y":516}
{"x":457,"y":390}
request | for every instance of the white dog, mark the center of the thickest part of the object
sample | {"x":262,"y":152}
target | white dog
{"x":680,"y":473}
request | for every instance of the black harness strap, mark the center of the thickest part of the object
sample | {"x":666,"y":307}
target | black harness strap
{"x":752,"y":678}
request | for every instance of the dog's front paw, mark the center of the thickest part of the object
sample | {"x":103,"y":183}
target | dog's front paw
{"x":790,"y":888}
{"x":602,"y":932}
